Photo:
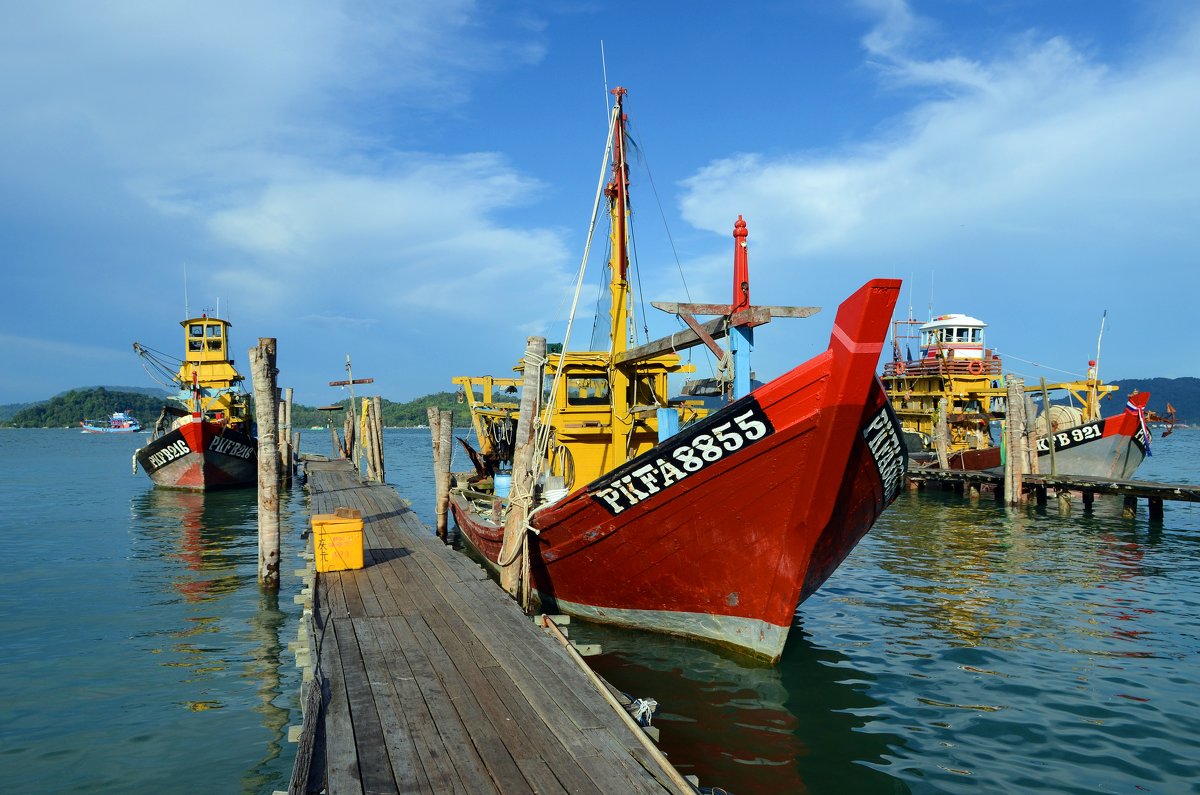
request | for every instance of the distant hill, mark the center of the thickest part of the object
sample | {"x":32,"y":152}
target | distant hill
{"x":395,"y":415}
{"x":1182,"y":393}
{"x":68,"y":409}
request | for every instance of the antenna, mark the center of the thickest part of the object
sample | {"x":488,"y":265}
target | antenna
{"x":186,"y":312}
{"x":604,"y":72}
{"x":1103,"y":318}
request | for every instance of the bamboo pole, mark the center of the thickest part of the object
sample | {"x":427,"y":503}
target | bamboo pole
{"x":435,"y":438}
{"x":264,"y":374}
{"x":521,"y":496}
{"x":445,"y":454}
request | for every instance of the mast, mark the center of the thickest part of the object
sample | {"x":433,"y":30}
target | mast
{"x":618,"y":197}
{"x":618,"y":208}
{"x":741,"y":338}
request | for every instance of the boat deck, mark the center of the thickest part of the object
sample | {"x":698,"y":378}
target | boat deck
{"x":434,"y":681}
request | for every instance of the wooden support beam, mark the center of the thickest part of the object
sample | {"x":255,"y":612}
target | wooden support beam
{"x":687,"y":338}
{"x":677,"y":308}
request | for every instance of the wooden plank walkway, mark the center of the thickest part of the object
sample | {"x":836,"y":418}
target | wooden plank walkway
{"x":1153,"y":493}
{"x":434,"y":681}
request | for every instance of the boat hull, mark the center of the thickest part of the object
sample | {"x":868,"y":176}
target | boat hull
{"x":720,"y":531}
{"x":201,"y":456}
{"x":1110,"y":447}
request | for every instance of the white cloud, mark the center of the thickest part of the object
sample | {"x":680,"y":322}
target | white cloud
{"x":1040,"y":141}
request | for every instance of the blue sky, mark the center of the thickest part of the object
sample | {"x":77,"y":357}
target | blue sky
{"x":410,"y":183}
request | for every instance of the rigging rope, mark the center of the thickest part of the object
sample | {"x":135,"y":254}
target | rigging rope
{"x":543,"y":430}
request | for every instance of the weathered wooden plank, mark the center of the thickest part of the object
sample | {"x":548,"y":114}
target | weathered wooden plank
{"x":407,"y":770}
{"x":436,"y":761}
{"x":374,"y":769}
{"x":341,"y":754}
{"x":491,"y":745}
{"x":457,"y":739}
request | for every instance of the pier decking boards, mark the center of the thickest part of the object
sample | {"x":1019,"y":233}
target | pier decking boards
{"x":436,"y":682}
{"x":1153,"y":493}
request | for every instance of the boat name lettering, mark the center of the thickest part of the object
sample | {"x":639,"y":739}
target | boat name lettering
{"x":681,"y":456}
{"x":1070,"y":437}
{"x":891,"y":459}
{"x":176,"y":449}
{"x":220,"y":444}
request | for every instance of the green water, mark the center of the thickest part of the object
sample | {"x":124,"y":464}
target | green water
{"x":961,"y":647}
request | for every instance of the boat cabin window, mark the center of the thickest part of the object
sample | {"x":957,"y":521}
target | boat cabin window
{"x":589,"y":390}
{"x":214,"y":330}
{"x":196,"y":330}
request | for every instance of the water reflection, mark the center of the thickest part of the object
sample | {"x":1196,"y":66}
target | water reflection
{"x":263,"y":667}
{"x":206,"y":533}
{"x":802,"y":725}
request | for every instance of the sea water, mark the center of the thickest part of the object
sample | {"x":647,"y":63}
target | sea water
{"x":962,"y":647}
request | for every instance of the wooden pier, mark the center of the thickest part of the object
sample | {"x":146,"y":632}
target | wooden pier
{"x":432,"y":680}
{"x":1038,"y":486}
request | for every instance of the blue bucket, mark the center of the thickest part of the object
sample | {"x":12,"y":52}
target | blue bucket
{"x":503,"y":484}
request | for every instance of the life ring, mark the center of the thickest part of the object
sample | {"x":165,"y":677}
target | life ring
{"x":975,"y":368}
{"x":900,"y":368}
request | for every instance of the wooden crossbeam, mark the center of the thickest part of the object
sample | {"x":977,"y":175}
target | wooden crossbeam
{"x":687,"y":338}
{"x":676,"y":308}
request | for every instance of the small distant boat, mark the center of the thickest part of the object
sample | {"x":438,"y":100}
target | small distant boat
{"x":954,"y":368}
{"x":119,"y":422}
{"x":204,"y":437}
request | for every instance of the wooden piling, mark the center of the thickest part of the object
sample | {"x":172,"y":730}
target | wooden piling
{"x":435,"y":440}
{"x":377,"y":411}
{"x":941,"y":436}
{"x":264,"y":374}
{"x":1049,"y":429}
{"x":286,"y":438}
{"x":445,"y":455}
{"x":1031,"y":456}
{"x":1064,"y":501}
{"x":1129,"y":509}
{"x":521,"y":496}
{"x":348,"y":436}
{"x":1014,"y":434}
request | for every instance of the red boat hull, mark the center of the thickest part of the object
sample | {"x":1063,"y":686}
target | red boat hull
{"x":720,"y":531}
{"x":201,"y":456}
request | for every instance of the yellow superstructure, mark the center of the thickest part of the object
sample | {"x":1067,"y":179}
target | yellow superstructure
{"x":207,"y":371}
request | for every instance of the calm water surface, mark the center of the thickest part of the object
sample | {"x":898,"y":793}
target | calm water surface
{"x":962,"y":647}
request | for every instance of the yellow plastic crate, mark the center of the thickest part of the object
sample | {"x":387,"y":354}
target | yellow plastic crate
{"x":338,"y":540}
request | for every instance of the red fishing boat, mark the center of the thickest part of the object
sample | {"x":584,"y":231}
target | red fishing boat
{"x":203,"y":438}
{"x":659,"y":514}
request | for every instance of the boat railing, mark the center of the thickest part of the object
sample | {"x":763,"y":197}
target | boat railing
{"x":937,"y":366}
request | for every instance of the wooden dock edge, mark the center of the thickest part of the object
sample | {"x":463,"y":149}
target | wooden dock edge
{"x":314,"y":696}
